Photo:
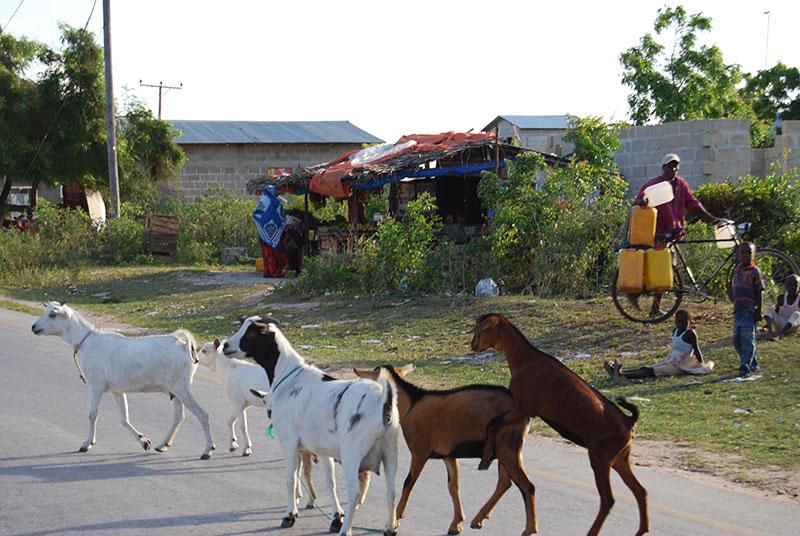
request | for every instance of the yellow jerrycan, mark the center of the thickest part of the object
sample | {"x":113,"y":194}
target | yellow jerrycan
{"x":658,"y":269}
{"x":631,"y":271}
{"x":642,"y":226}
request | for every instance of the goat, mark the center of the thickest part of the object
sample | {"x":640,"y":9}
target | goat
{"x":239,"y":378}
{"x":450,"y":425}
{"x":113,"y":362}
{"x":246,"y":386}
{"x":304,"y":462}
{"x":542,"y":386}
{"x":354,"y":421}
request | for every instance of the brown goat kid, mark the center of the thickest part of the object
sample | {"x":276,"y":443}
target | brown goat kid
{"x":451,"y":424}
{"x":542,"y":386}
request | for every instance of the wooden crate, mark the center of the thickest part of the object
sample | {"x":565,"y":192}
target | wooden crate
{"x":161,"y":244}
{"x":159,"y":223}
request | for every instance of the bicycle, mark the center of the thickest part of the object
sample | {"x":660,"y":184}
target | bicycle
{"x":654,"y":307}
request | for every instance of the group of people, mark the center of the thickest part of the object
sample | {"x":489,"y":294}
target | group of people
{"x":746,"y":292}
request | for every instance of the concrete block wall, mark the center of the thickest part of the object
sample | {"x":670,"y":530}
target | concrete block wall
{"x":785,"y":153}
{"x":209,"y":166}
{"x":711,"y":150}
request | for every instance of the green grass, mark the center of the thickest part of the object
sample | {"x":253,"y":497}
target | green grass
{"x":758,"y":420}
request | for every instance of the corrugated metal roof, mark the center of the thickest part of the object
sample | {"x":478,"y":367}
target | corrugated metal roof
{"x":548,"y":122}
{"x":201,"y":132}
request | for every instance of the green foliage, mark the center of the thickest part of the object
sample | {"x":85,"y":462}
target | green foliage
{"x":687,"y":82}
{"x":553,"y":229}
{"x":771,"y":204}
{"x":72,"y":94}
{"x":332,"y":272}
{"x":595,"y":141}
{"x":216,"y":220}
{"x":774,"y":92}
{"x":396,"y":258}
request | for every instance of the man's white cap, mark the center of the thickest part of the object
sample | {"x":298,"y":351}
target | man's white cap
{"x":669,"y":158}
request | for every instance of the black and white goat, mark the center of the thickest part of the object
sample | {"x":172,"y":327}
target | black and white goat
{"x":354,"y":421}
{"x":109,"y":361}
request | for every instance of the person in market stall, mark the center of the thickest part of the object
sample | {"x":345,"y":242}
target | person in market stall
{"x":270,"y":219}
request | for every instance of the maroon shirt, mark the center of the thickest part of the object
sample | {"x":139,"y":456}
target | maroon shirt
{"x":671,"y":215}
{"x":747,"y":284}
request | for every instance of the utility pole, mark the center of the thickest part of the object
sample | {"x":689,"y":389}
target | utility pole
{"x":160,"y":86}
{"x":766,"y":46}
{"x":111,"y":132}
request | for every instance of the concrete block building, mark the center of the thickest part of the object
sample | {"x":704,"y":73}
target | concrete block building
{"x":227,"y":154}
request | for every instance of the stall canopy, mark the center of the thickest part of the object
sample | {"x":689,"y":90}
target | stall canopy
{"x":413,"y":156}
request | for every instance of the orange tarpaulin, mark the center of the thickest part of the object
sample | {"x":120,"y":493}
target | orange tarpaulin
{"x":329,"y":180}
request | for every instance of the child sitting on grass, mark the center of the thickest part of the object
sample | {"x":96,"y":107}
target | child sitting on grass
{"x":684,"y":357}
{"x":785,"y":316}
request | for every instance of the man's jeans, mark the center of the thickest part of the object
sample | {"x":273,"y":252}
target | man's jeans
{"x":744,"y":340}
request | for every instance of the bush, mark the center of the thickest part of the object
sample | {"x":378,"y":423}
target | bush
{"x":214,"y":221}
{"x":771,"y":204}
{"x":554,"y":228}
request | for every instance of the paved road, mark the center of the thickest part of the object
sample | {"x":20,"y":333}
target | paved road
{"x":47,"y":487}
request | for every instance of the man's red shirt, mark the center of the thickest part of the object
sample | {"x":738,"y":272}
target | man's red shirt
{"x":672,"y":214}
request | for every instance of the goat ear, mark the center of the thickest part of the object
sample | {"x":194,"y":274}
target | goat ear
{"x":405,"y":369}
{"x":483,"y":323}
{"x":368,"y":374}
{"x":259,"y":394}
{"x":217,"y":343}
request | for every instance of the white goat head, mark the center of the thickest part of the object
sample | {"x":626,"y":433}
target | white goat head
{"x":54,"y":319}
{"x":209,"y":352}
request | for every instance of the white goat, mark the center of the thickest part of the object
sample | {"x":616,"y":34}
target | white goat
{"x":354,"y":421}
{"x":113,"y":362}
{"x":239,"y":377}
{"x":246,"y":386}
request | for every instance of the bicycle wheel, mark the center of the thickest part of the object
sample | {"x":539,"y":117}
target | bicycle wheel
{"x":775,"y":265}
{"x":640,"y":308}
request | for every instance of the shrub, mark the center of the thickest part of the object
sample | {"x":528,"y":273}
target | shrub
{"x":772,"y":204}
{"x":553,"y":229}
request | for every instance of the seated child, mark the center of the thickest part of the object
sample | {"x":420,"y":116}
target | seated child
{"x":684,"y":357}
{"x":785,"y":316}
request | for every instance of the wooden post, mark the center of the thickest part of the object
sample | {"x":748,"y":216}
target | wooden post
{"x":111,"y":132}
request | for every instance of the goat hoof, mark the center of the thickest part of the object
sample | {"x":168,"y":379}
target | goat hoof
{"x":336,"y":524}
{"x":483,"y":466}
{"x":389,"y":533}
{"x":288,"y":521}
{"x":145,"y":443}
{"x":453,"y":532}
{"x":246,"y":452}
{"x":475,"y":525}
{"x":162,"y":448}
{"x":84,"y":449}
{"x":206,"y":456}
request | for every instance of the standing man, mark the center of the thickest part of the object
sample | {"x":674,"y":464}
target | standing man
{"x":672,"y":214}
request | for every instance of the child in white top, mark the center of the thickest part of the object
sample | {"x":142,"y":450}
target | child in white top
{"x":785,"y":316}
{"x":684,"y":356}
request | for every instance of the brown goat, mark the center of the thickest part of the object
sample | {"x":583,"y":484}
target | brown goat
{"x":451,"y":424}
{"x":542,"y":386}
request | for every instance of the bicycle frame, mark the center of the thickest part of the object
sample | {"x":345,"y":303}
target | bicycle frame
{"x":699,"y":288}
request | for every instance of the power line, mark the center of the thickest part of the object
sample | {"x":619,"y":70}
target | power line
{"x":12,"y":16}
{"x":160,"y":87}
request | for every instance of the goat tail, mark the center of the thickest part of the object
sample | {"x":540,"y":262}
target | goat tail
{"x":185,"y":336}
{"x":389,"y":398}
{"x":627,"y":404}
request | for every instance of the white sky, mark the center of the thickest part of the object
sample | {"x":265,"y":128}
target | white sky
{"x":393,"y":68}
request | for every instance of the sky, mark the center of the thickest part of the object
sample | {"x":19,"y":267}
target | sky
{"x":392,"y":68}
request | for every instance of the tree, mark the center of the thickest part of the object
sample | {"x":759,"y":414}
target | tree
{"x":595,"y":141}
{"x":18,"y":97}
{"x":774,"y":93}
{"x":686,"y":83}
{"x":149,"y":156}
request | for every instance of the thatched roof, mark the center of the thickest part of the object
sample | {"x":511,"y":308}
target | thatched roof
{"x":448,"y":161}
